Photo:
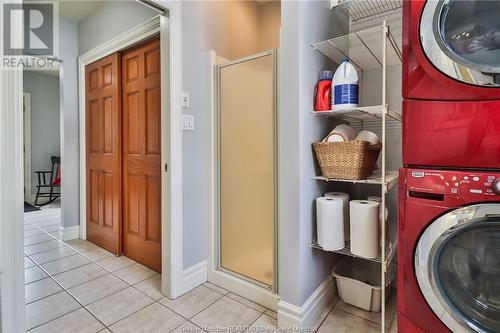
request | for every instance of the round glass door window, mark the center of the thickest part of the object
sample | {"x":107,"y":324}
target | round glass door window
{"x":467,"y":273}
{"x":470,"y":31}
{"x":457,"y":266}
{"x":461,"y":38}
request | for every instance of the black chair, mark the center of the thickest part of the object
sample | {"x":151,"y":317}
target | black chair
{"x":49,"y":182}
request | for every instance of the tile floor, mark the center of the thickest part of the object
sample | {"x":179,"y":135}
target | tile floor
{"x":76,"y":286}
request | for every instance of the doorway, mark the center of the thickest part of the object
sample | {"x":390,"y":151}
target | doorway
{"x":123,"y":158}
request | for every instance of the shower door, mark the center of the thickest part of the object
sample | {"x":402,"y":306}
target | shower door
{"x":246,"y":168}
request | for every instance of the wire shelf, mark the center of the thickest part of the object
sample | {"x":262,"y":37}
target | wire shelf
{"x":363,"y":113}
{"x":360,"y":9}
{"x":364,"y":48}
{"x":391,"y":179}
{"x":389,"y":252}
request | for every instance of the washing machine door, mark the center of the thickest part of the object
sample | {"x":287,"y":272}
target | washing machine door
{"x":457,"y":265}
{"x":462,"y":39}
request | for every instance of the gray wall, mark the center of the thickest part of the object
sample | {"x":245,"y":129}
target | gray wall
{"x":45,"y":120}
{"x":68,"y":52}
{"x":302,"y":269}
{"x":110,"y":20}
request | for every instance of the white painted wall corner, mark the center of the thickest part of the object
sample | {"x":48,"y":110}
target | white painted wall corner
{"x":305,"y":316}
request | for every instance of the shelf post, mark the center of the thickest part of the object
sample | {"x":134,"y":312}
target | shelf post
{"x":384,"y":192}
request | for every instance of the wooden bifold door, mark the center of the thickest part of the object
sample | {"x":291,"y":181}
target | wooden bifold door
{"x":123,"y":141}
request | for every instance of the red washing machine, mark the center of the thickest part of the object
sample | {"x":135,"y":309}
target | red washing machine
{"x":451,"y":83}
{"x":449,"y":251}
{"x":451,"y":50}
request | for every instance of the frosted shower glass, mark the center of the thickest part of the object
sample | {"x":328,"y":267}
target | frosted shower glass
{"x":247,"y":165}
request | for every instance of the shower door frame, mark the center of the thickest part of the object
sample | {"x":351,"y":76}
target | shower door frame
{"x":246,"y":286}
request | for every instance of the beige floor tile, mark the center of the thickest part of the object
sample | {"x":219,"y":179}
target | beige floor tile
{"x":113,"y":308}
{"x":28,"y":263}
{"x":33,"y":274}
{"x":226,"y":313}
{"x":216,"y":288}
{"x":41,"y":247}
{"x":79,"y":321}
{"x":96,"y":289}
{"x":151,"y":287}
{"x":49,"y":308}
{"x":153,"y":318}
{"x":339,"y":321}
{"x":37,"y":239}
{"x":188,"y":327}
{"x":65,"y":264}
{"x":97,"y":254}
{"x":247,"y":302}
{"x":272,"y":314}
{"x":135,"y":273}
{"x":33,"y":232}
{"x":52,"y":228}
{"x":39,"y":289}
{"x":51,"y":255}
{"x":81,"y":245}
{"x":264,"y":324}
{"x":79,"y":275}
{"x":192,"y":302}
{"x":115,"y":263}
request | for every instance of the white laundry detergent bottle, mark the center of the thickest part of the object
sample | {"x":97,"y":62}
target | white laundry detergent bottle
{"x":345,"y":81}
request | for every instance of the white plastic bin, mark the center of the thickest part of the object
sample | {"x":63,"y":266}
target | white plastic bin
{"x":358,"y":283}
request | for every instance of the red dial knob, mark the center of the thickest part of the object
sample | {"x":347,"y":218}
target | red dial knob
{"x":496,"y":186}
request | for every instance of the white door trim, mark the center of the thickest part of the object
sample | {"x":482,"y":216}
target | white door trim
{"x":169,"y":29}
{"x":11,"y":196}
{"x":27,"y":146}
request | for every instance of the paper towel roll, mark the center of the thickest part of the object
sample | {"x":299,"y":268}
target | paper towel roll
{"x":346,"y":132}
{"x":379,"y":200}
{"x":364,"y":228}
{"x":368,"y":136}
{"x":345,"y":201}
{"x":330,"y":223}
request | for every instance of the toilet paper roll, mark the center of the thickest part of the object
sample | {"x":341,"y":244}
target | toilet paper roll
{"x":345,"y":201}
{"x":341,"y":133}
{"x":330,"y":223}
{"x":364,"y":228}
{"x":368,"y":136}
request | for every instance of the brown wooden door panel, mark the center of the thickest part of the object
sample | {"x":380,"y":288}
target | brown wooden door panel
{"x":104,"y":153}
{"x":141,"y":154}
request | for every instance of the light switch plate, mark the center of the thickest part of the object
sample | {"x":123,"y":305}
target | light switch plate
{"x":187,"y":122}
{"x":185,"y":99}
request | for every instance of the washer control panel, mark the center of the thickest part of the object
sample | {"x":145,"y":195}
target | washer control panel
{"x":480,"y":183}
{"x":475,"y":185}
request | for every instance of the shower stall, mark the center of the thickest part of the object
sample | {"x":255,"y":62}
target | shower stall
{"x":245,"y":230}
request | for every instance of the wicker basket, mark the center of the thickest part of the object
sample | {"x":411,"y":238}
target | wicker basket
{"x":347,"y":160}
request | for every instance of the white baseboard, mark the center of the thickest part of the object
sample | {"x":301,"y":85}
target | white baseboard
{"x":193,"y":276}
{"x":69,"y":233}
{"x":305,"y":316}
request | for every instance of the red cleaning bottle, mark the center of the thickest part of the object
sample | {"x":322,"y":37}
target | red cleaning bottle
{"x":322,"y":98}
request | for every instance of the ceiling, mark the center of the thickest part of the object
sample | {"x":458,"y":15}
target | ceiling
{"x":78,"y":10}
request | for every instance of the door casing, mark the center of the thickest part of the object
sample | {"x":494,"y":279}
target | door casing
{"x":169,"y":29}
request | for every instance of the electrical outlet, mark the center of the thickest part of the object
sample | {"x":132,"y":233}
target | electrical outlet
{"x":187,"y":122}
{"x":185,"y":99}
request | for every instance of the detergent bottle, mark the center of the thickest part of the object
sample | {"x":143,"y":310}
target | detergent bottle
{"x":322,"y":98}
{"x":345,"y":89}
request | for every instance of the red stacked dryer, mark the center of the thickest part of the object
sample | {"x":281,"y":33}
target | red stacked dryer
{"x":451,"y":154}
